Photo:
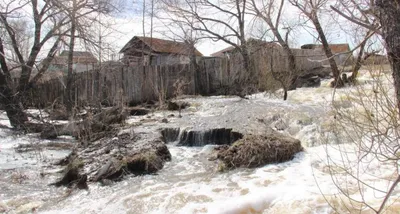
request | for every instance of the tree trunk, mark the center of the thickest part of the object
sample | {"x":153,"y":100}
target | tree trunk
{"x":249,"y":83}
{"x":13,"y":107}
{"x":335,"y":70}
{"x":357,"y":64}
{"x":250,"y":77}
{"x":285,"y":93}
{"x":389,"y":15}
{"x":69,"y":87}
{"x":292,"y":68}
{"x":246,"y":63}
{"x":291,"y":79}
{"x":285,"y":46}
{"x":193,"y":62}
{"x":11,"y":103}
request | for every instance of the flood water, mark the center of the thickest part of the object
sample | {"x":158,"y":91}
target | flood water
{"x":190,"y":183}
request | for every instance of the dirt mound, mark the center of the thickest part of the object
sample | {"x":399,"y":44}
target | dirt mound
{"x":175,"y":106}
{"x":91,"y":128}
{"x":137,"y":111}
{"x":258,"y":150}
{"x":58,"y":113}
{"x":110,"y":159}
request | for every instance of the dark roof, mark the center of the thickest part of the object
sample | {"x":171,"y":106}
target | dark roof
{"x":223,"y":51}
{"x":335,"y":48}
{"x":77,"y":53}
{"x":82,"y":57}
{"x":112,"y":64}
{"x":161,"y":46}
{"x":16,"y":73}
{"x":252,"y":43}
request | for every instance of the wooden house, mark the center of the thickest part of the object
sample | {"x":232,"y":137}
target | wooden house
{"x":153,"y":51}
{"x":82,"y":61}
{"x":254,"y":45}
{"x":342,"y":52}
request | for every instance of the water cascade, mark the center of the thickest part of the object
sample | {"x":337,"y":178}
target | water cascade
{"x":184,"y":137}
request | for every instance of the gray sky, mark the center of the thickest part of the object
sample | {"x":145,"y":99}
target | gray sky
{"x":129,"y":24}
{"x":128,"y":27}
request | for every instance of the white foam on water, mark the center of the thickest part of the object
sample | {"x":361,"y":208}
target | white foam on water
{"x":189,"y":183}
{"x":4,"y":119}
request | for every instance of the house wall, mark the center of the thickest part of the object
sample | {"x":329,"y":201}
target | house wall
{"x":224,"y":72}
{"x":170,"y":59}
{"x":376,"y":60}
{"x":134,"y":56}
{"x":340,"y":58}
{"x":78,"y":68}
{"x":161,"y":59}
{"x":132,"y":60}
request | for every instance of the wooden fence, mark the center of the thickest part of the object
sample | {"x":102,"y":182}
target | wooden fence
{"x":133,"y":85}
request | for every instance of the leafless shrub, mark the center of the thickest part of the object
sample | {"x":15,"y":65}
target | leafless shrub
{"x":364,"y":165}
{"x":179,"y":89}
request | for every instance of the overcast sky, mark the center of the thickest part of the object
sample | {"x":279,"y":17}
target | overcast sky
{"x":129,"y":24}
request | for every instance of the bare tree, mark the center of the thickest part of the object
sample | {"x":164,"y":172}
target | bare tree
{"x":176,"y":27}
{"x":271,"y":13}
{"x":311,"y":9}
{"x":50,"y":23}
{"x":23,"y":40}
{"x":358,"y":12}
{"x":82,"y":15}
{"x":388,"y":13}
{"x":385,"y":22}
{"x":72,"y":13}
{"x":220,"y":21}
{"x":47,"y":25}
{"x":372,"y":124}
{"x":370,"y":130}
{"x":179,"y":89}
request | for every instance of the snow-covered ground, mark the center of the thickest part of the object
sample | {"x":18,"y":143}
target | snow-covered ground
{"x":191,"y":184}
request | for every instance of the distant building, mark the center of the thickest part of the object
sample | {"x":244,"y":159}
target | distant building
{"x":15,"y":72}
{"x":112,"y":64}
{"x":224,"y":52}
{"x":375,"y":59}
{"x":254,"y":45}
{"x":153,"y":51}
{"x":82,"y":61}
{"x":342,"y":52}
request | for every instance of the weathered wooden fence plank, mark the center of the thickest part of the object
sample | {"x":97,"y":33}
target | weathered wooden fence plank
{"x":134,"y":85}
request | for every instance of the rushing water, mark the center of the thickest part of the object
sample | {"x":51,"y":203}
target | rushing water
{"x":190,"y":183}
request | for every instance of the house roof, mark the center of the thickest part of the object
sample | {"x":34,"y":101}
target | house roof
{"x":223,"y":51}
{"x":16,"y":73}
{"x":335,"y":48}
{"x":161,"y":45}
{"x":78,"y":53}
{"x":252,"y":43}
{"x":82,"y":57}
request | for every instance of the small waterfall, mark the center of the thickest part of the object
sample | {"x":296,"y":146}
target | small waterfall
{"x":191,"y":138}
{"x":181,"y":132}
{"x":170,"y":134}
